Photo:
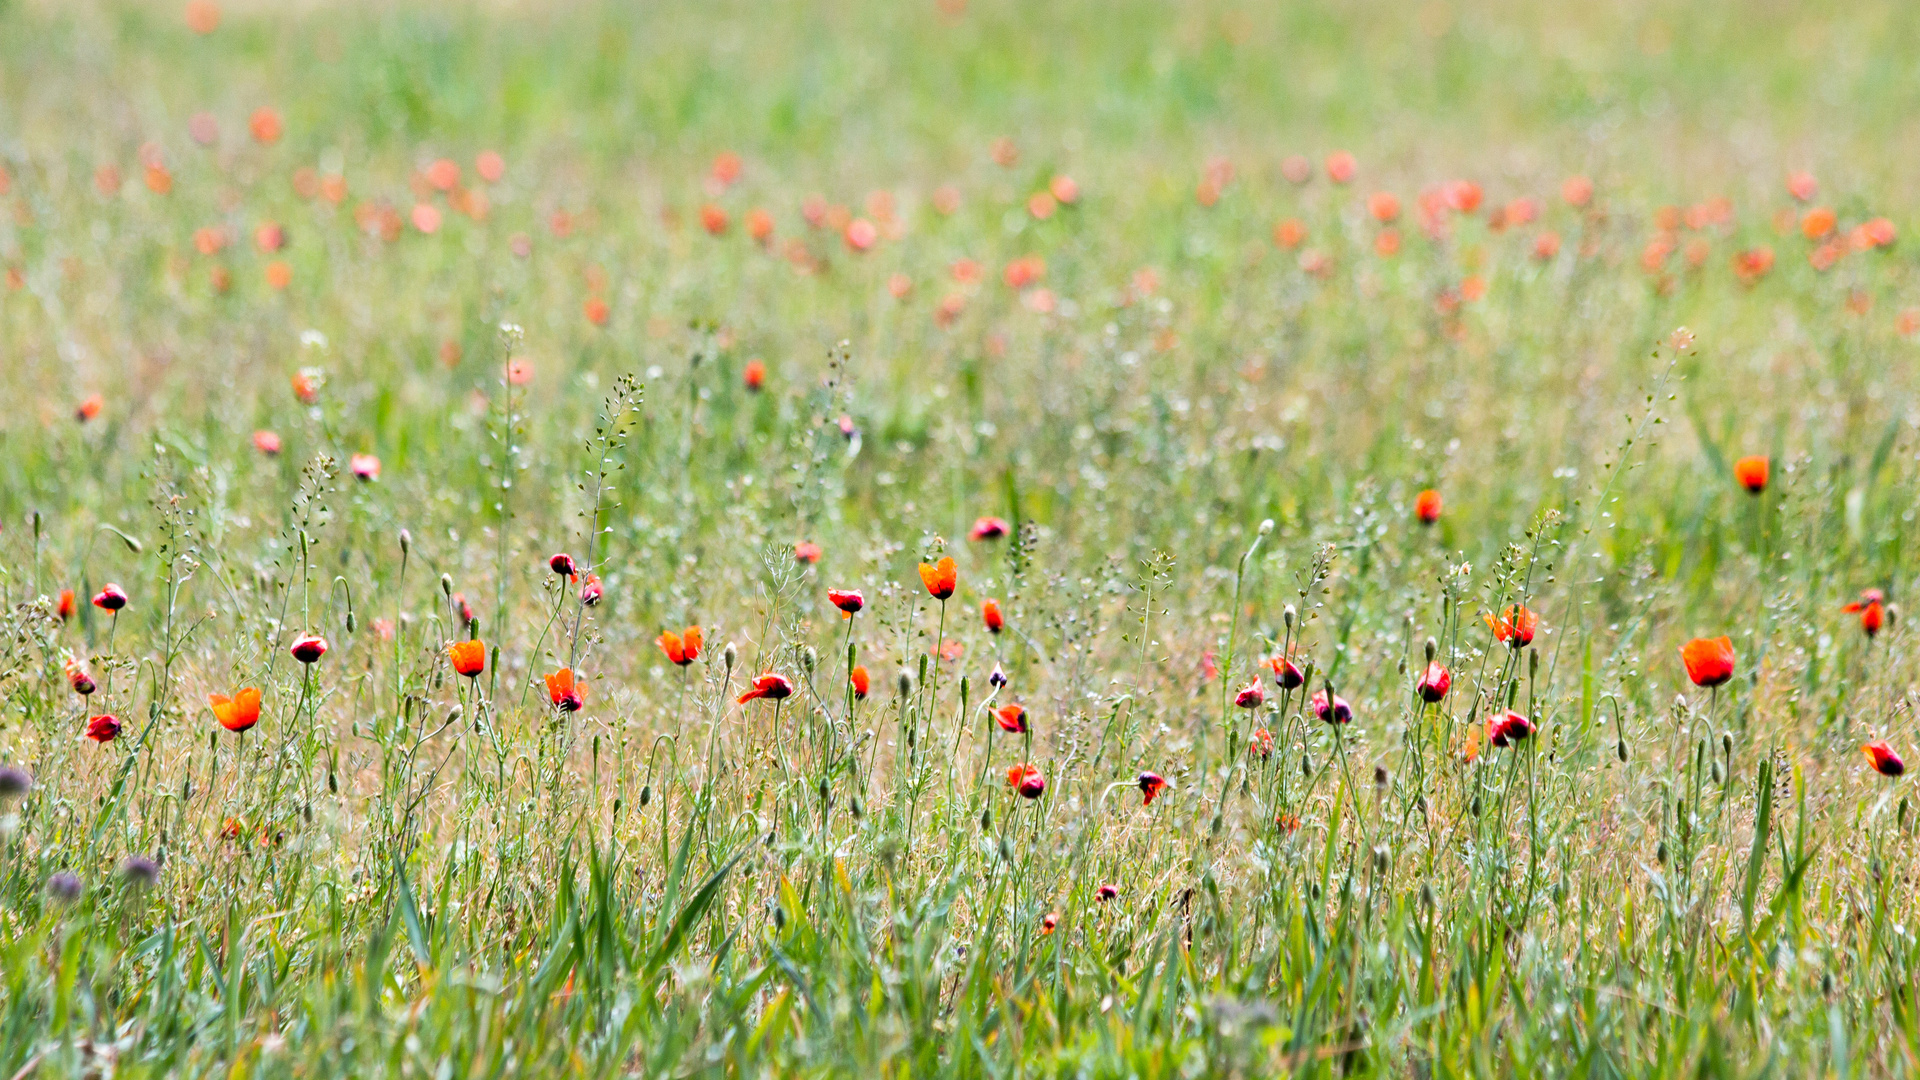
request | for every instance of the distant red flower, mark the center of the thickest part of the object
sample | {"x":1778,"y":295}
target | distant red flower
{"x":1515,"y":626}
{"x":713,"y":219}
{"x":940,"y":578}
{"x":89,"y":408}
{"x":989,"y":528}
{"x":755,"y":375}
{"x":990,"y":614}
{"x":1151,"y":785}
{"x":1049,"y":922}
{"x":591,"y":590}
{"x":860,"y":234}
{"x":239,"y":712}
{"x":1753,"y":264}
{"x":1885,"y":761}
{"x":1027,"y":780}
{"x":1871,"y":609}
{"x":365,"y":466}
{"x":266,"y":442}
{"x":1251,"y":695}
{"x":1751,"y":472}
{"x":1802,"y":186}
{"x":67,"y":605}
{"x":103,"y":728}
{"x":1818,"y":222}
{"x":1012,"y":718}
{"x":1106,"y":892}
{"x":565,"y":692}
{"x":1577,"y":190}
{"x":1426,"y":506}
{"x":306,"y":386}
{"x":265,"y":126}
{"x":308,"y":648}
{"x":682,"y":649}
{"x":464,"y":608}
{"x":806,"y":551}
{"x":596,"y":311}
{"x":469,"y":657}
{"x":1341,"y":167}
{"x":490,"y":165}
{"x":562,"y":564}
{"x":1384,"y":206}
{"x":1508,"y":727}
{"x":1286,"y":672}
{"x":519,"y":372}
{"x":847,"y":600}
{"x":770,"y":686}
{"x":111,"y":597}
{"x":1546,"y":245}
{"x":1709,"y":661}
{"x":1331,"y":710}
{"x":1434,"y":682}
{"x":78,"y":678}
{"x":861,"y":682}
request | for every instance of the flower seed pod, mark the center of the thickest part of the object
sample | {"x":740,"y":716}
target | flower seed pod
{"x":826,"y":792}
{"x":1620,"y":749}
{"x":1660,"y":853}
{"x":352,"y":624}
{"x":854,"y":807}
{"x":986,"y":819}
{"x":646,"y":794}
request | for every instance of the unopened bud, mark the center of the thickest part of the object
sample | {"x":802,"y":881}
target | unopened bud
{"x":729,"y":654}
{"x":406,"y":542}
{"x":1433,"y":649}
{"x":446,"y":584}
{"x":1266,"y":527}
{"x":808,"y":658}
{"x":1289,"y":615}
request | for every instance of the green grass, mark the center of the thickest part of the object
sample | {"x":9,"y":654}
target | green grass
{"x":401,"y":871}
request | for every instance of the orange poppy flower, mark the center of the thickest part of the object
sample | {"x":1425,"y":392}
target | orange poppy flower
{"x":940,"y":578}
{"x":1341,"y":167}
{"x":1819,"y":222}
{"x":754,"y":375}
{"x":1870,"y":607}
{"x":990,"y":614}
{"x":596,"y":311}
{"x":1751,"y":472}
{"x":90,"y":408}
{"x":1426,"y":506}
{"x":1885,"y":761}
{"x":265,"y":125}
{"x":1151,"y":785}
{"x":469,"y":657}
{"x":567,"y":694}
{"x":806,"y":551}
{"x":1515,"y":626}
{"x":239,"y":712}
{"x":861,"y":681}
{"x":1709,"y":661}
{"x":67,"y":605}
{"x":682,"y":650}
{"x":1026,"y":780}
{"x":770,"y":686}
{"x":1012,"y":718}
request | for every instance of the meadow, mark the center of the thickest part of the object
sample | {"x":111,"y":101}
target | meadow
{"x":958,"y":538}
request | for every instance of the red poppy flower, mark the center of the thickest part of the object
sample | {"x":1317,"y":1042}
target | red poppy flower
{"x":1508,"y":727}
{"x":239,"y":712}
{"x":990,"y":613}
{"x":989,"y":528}
{"x":755,"y":375}
{"x":770,"y":686}
{"x":103,"y":728}
{"x":365,"y":466}
{"x":265,"y":125}
{"x":562,"y":564}
{"x":806,"y":551}
{"x":1709,"y":661}
{"x":1286,"y":672}
{"x":1260,"y":744}
{"x":1434,"y":682}
{"x":1341,"y":167}
{"x":1885,"y":761}
{"x":1250,"y":695}
{"x":1426,"y":506}
{"x":1515,"y":626}
{"x":848,"y":601}
{"x":861,"y":682}
{"x":89,"y":408}
{"x":567,"y":694}
{"x":1011,"y":718}
{"x":266,"y":442}
{"x":1026,"y":780}
{"x":465,"y":609}
{"x":940,"y":578}
{"x":1751,"y":472}
{"x":1151,"y":785}
{"x":306,"y":386}
{"x":1334,"y":711}
{"x":469,"y":657}
{"x":67,"y":604}
{"x":309,"y":648}
{"x":681,"y":649}
{"x":1049,"y":922}
{"x":1870,"y":608}
{"x":78,"y":678}
{"x":713,"y":219}
{"x":1106,"y":892}
{"x":110,"y":598}
{"x":591,"y":591}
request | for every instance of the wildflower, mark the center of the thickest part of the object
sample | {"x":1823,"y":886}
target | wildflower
{"x":566,"y":694}
{"x":713,"y":219}
{"x":1515,"y":626}
{"x":1260,"y":744}
{"x":1341,"y":167}
{"x":309,"y":648}
{"x":989,"y":528}
{"x":1885,"y":761}
{"x":461,"y":605}
{"x":103,"y":728}
{"x":1508,"y":727}
{"x":1011,"y":718}
{"x":1106,"y":892}
{"x":306,"y":385}
{"x":1751,"y":472}
{"x":861,"y":682}
{"x":365,"y":466}
{"x":1286,"y":672}
{"x":239,"y":712}
{"x":1709,"y":661}
{"x":1870,"y":607}
{"x":940,"y":578}
{"x":490,"y":165}
{"x":755,"y":375}
{"x":1752,"y":264}
{"x":139,"y":871}
{"x":806,"y":551}
{"x":14,"y":782}
{"x":1250,"y":695}
{"x":89,"y":408}
{"x":266,"y":442}
{"x":1026,"y":780}
{"x":64,"y":886}
{"x":1546,"y":245}
{"x":67,"y":605}
{"x":770,"y":686}
{"x":849,"y":601}
{"x":591,"y":591}
{"x":562,"y":564}
{"x":1331,"y":708}
{"x":1384,"y":206}
{"x":1802,"y":186}
{"x":1819,"y":222}
{"x":1287,"y":823}
{"x":1426,"y":506}
{"x":1048,"y":922}
{"x":469,"y":657}
{"x":596,"y":311}
{"x":1434,"y":682}
{"x":519,"y":372}
{"x":680,"y":649}
{"x":951,"y":650}
{"x":78,"y":678}
{"x":1151,"y":785}
{"x":110,"y":598}
{"x":265,"y":126}
{"x":990,"y":614}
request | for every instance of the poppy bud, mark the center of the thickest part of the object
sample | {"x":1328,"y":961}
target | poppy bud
{"x":1885,"y":761}
{"x":406,"y":542}
{"x":1331,"y":708}
{"x":729,"y":654}
{"x":1288,"y":615}
{"x":1027,"y":780}
{"x":446,"y":585}
{"x":1266,"y":527}
{"x":1620,"y":749}
{"x":808,"y":658}
{"x":309,"y":648}
{"x":904,"y":684}
{"x":1433,"y":649}
{"x":110,"y":598}
{"x":998,"y":678}
{"x":561,"y":564}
